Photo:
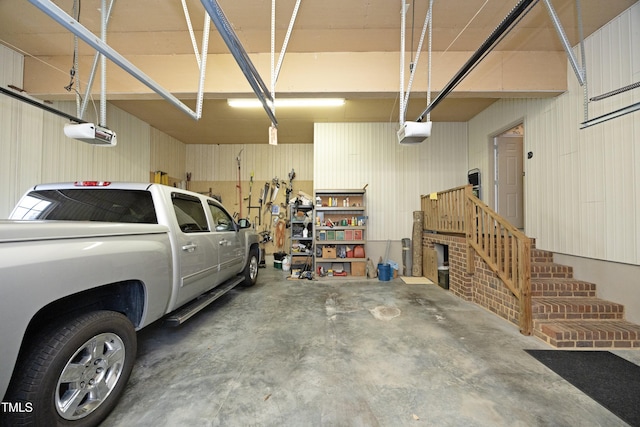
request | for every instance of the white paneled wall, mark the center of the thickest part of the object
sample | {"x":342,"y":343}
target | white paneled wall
{"x":582,"y":187}
{"x":168,"y":155}
{"x":66,"y":159}
{"x":34,"y":149}
{"x":352,"y":155}
{"x":218,"y":162}
{"x":11,"y":68}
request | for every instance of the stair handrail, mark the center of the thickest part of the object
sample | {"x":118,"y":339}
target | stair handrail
{"x":444,"y":211}
{"x":503,"y":247}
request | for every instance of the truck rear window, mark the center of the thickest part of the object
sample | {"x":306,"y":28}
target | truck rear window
{"x":103,"y":205}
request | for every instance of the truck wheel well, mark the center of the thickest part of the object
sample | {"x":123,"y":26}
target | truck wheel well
{"x":256,"y":247}
{"x":124,"y":297}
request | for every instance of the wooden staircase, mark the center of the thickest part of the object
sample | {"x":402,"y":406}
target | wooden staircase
{"x":550,"y":304}
{"x":567,"y":313}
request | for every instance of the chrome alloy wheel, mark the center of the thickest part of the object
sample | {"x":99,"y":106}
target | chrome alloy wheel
{"x":253,"y":268}
{"x":90,"y":376}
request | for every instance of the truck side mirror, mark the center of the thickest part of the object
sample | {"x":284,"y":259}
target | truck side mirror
{"x":244,"y":223}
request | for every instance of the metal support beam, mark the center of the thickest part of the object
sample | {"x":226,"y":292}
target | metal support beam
{"x":414,"y":65}
{"x":103,"y":65}
{"x":240,"y":55}
{"x":202,"y":62}
{"x":505,"y":26}
{"x":612,"y":115}
{"x":88,"y":37}
{"x":565,"y":41}
{"x":632,"y":86}
{"x":94,"y":67}
{"x":286,"y":41}
{"x":35,"y":103}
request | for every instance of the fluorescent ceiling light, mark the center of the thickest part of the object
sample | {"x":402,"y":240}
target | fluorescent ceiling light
{"x":288,"y":102}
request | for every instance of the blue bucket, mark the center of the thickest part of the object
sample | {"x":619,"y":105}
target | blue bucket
{"x":384,"y":272}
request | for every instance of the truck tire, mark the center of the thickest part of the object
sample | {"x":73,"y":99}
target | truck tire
{"x":250,"y":272}
{"x":74,"y":372}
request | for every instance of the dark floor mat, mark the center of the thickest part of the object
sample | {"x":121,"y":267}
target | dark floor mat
{"x":608,"y":379}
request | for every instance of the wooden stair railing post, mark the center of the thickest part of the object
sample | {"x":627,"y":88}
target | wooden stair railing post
{"x":469,"y":226}
{"x":524,"y":285}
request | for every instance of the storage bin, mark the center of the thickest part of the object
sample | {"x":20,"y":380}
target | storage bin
{"x":443,"y":278}
{"x":328,"y":252}
{"x":384,"y":272}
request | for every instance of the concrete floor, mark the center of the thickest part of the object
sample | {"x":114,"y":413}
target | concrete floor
{"x":331,"y":353}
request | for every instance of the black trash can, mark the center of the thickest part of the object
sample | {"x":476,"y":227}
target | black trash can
{"x":443,"y":277}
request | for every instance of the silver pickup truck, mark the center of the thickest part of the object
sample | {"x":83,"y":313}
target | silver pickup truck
{"x":85,"y":265}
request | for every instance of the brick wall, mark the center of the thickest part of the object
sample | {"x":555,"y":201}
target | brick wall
{"x":483,"y":287}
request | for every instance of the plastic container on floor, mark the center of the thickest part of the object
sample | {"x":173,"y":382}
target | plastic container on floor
{"x":384,"y":272}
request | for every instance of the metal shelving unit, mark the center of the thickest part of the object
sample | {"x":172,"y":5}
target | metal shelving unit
{"x":339,"y":231}
{"x":301,"y":249}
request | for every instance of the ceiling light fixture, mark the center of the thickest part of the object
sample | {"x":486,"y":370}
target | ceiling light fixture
{"x":288,"y":102}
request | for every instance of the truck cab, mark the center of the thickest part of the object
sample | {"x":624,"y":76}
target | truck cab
{"x":85,"y":265}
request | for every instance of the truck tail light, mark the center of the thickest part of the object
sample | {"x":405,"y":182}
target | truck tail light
{"x":92,"y":183}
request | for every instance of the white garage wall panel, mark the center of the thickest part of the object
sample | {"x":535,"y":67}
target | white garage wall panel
{"x":19,"y":124}
{"x":218,"y":162}
{"x":351,"y":155}
{"x":11,"y":67}
{"x":581,"y":186}
{"x":66,"y":159}
{"x":167,"y":154}
{"x":34,"y":148}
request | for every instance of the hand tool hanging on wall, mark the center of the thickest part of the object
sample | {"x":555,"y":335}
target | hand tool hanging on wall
{"x":264,"y":195}
{"x":274,"y":189}
{"x":239,"y":186}
{"x":249,"y":207}
{"x":292,"y":176}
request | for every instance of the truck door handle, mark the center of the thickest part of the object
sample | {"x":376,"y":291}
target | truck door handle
{"x":223,"y":242}
{"x":189,"y":247}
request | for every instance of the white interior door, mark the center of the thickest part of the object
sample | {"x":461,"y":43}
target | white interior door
{"x":509,"y":177}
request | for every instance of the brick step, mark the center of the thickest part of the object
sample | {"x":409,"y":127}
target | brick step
{"x":575,"y":308}
{"x":588,"y":333}
{"x":562,"y":288}
{"x":549,"y":270}
{"x":539,"y":255}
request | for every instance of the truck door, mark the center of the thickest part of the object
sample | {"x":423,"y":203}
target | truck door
{"x":229,"y":244}
{"x":199,"y":262}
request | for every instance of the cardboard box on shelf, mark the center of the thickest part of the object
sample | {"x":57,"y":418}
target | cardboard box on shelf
{"x":328,"y":252}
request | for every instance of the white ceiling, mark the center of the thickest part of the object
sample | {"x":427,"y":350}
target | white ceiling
{"x":150,"y":28}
